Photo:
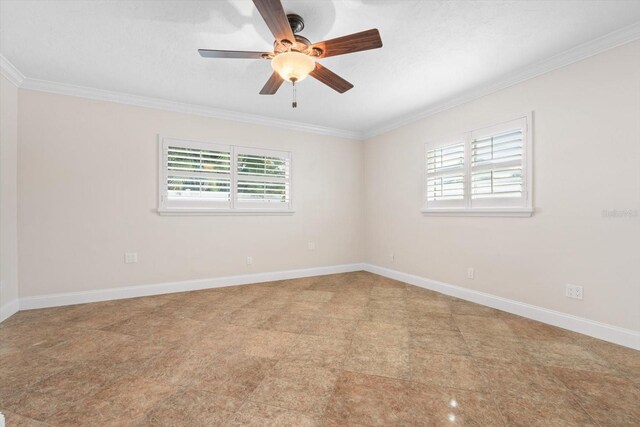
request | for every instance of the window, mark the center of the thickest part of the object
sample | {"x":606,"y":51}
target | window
{"x":482,"y":172}
{"x":208,"y":178}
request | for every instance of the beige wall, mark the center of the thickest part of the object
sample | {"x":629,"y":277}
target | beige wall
{"x":586,"y":159}
{"x":88,"y":186}
{"x":88,"y":190}
{"x":8,"y":195}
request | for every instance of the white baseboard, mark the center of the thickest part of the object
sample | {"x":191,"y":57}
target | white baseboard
{"x":603,"y":331}
{"x":57,"y":300}
{"x":614,"y":334}
{"x":9,"y":309}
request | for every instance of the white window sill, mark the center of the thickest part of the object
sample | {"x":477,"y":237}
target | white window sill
{"x":227,"y":212}
{"x":501,"y":212}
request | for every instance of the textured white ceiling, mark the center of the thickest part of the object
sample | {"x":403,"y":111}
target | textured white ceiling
{"x":433,"y":50}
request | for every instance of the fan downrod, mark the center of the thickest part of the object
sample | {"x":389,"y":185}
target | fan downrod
{"x":296,"y":22}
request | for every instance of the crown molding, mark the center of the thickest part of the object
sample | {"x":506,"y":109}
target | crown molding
{"x":10,"y":72}
{"x":575,"y":54}
{"x":578,"y":53}
{"x":178,"y":107}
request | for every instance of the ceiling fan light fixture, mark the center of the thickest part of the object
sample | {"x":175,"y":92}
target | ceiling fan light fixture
{"x":293,"y":66}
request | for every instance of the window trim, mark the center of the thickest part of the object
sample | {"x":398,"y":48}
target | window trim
{"x":164,"y":210}
{"x":526,"y":208}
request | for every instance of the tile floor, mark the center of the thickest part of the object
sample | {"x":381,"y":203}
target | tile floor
{"x":350,"y":349}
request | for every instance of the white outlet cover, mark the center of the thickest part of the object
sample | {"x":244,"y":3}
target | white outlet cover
{"x":249,"y":260}
{"x":574,"y":291}
{"x":130,"y":257}
{"x":471,"y":273}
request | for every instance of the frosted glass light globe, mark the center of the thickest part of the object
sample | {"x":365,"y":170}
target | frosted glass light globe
{"x":293,"y":65}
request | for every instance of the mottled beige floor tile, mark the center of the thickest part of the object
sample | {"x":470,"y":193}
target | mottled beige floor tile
{"x":561,"y":411}
{"x":531,"y":329}
{"x":498,"y":347}
{"x":20,"y":371}
{"x":14,"y":420}
{"x":194,"y":408}
{"x":158,"y":327}
{"x":314,"y":296}
{"x":482,"y":325}
{"x":446,"y":342}
{"x":91,"y":345}
{"x":386,"y":315}
{"x":264,"y":343}
{"x":286,"y":323}
{"x":260,"y":415}
{"x":520,"y":380}
{"x":305,"y":372}
{"x":472,"y":309}
{"x":384,"y":334}
{"x":188,"y":305}
{"x":192,"y":358}
{"x":323,"y":351}
{"x":237,"y":299}
{"x":386,"y":282}
{"x":331,"y":327}
{"x":566,"y":355}
{"x":338,"y":310}
{"x":609,"y":399}
{"x":249,"y":317}
{"x":302,"y":396}
{"x":391,"y":304}
{"x":415,"y":292}
{"x":420,"y":307}
{"x":446,"y":370}
{"x":328,"y":422}
{"x":302,"y":308}
{"x":626,"y":360}
{"x":370,"y":400}
{"x":171,"y":365}
{"x":60,"y":391}
{"x":385,"y":293}
{"x":354,"y":298}
{"x":122,"y":402}
{"x":275,"y":301}
{"x":35,"y":336}
{"x":432,"y":323}
{"x":378,"y":359}
{"x":375,"y":401}
{"x":102,"y":314}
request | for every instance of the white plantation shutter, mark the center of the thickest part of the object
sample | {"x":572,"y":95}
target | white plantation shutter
{"x":206,"y":177}
{"x":263,"y":178}
{"x":497,"y":165}
{"x":489,"y":171}
{"x":445,"y":175}
{"x":196,"y":175}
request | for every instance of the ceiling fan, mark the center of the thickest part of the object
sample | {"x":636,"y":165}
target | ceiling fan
{"x":294,"y":57}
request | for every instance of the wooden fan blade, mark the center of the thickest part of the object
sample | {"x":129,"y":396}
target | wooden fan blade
{"x":273,"y":14}
{"x":272,"y":85}
{"x":208,"y":53}
{"x":330,"y":78}
{"x":357,"y":42}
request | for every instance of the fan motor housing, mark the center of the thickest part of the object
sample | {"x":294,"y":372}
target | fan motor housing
{"x":296,"y":22}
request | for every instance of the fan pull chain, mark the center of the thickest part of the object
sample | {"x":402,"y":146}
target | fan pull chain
{"x":294,"y":104}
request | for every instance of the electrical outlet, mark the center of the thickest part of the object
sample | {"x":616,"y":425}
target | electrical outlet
{"x":574,"y":291}
{"x":471,"y":273}
{"x":311,"y":246}
{"x":249,"y":260}
{"x":130,"y":257}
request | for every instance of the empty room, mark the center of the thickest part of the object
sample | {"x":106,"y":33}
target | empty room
{"x":319,"y":213}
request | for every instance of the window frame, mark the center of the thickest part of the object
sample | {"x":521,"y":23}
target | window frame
{"x":502,"y":207}
{"x":233,"y":207}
